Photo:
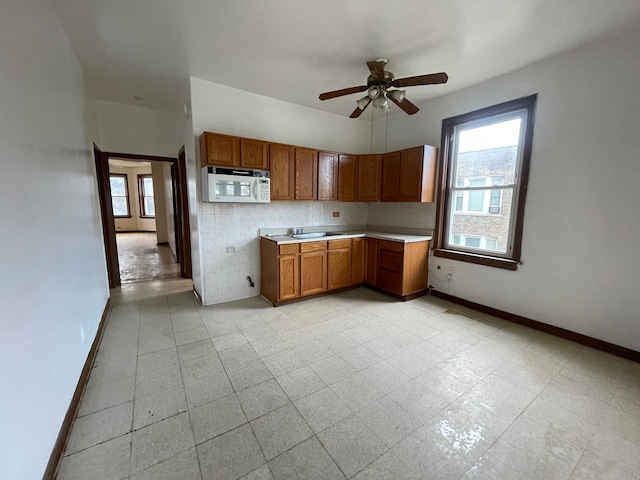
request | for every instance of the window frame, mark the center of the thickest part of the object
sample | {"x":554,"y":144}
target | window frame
{"x":141,"y":195}
{"x":446,"y":163}
{"x":126,"y":194}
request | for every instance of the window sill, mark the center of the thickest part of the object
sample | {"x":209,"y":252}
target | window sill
{"x":147,"y":216}
{"x":122,"y":216}
{"x":486,"y":260}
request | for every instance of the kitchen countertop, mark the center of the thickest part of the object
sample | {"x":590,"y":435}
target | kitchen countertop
{"x":394,"y":237}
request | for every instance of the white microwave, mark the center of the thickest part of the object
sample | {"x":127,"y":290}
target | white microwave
{"x":235,"y":185}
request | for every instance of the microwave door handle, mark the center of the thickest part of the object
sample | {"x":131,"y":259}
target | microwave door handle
{"x":255,"y":190}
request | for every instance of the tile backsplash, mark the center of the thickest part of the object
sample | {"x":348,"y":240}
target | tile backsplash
{"x":409,"y":215}
{"x":226,"y":226}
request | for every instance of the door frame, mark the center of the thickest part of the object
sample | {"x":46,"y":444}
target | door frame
{"x":181,"y":212}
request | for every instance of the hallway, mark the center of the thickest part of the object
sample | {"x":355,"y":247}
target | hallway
{"x":142,"y":259}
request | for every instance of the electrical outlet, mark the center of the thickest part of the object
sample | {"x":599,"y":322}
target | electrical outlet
{"x":453,"y":271}
{"x":231,"y":249}
{"x":336,"y":214}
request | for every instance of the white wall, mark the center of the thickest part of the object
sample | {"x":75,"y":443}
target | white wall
{"x":53,"y":288}
{"x":158,"y":170}
{"x":579,"y":250}
{"x":126,"y":129}
{"x":221,"y":109}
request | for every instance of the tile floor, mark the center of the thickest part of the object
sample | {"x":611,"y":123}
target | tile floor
{"x":354,"y":385}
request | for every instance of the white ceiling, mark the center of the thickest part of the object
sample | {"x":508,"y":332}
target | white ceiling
{"x":294,"y":50}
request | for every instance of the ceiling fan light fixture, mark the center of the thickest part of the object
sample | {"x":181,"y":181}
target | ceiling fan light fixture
{"x":373,"y":92}
{"x":398,"y":95}
{"x":363,"y":102}
{"x":381,"y":101}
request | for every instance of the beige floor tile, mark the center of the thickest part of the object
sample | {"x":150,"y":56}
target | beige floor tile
{"x":260,"y":473}
{"x":300,"y":383}
{"x":385,"y":376}
{"x":332,"y":369}
{"x":109,"y":460}
{"x":389,"y":421}
{"x":160,"y":441}
{"x":99,"y":427}
{"x":183,"y":466}
{"x":351,"y":444}
{"x":207,"y":388}
{"x":322,"y":409}
{"x":248,"y":374}
{"x":215,"y":418}
{"x":262,"y":398}
{"x":356,"y":391}
{"x":386,"y":467}
{"x":197,"y":349}
{"x":280,"y":430}
{"x":159,"y":406}
{"x":309,"y":460}
{"x":231,"y":455}
{"x":156,"y":360}
{"x":107,"y":395}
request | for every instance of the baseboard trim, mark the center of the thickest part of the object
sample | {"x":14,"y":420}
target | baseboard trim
{"x":58,"y":448}
{"x":612,"y":348}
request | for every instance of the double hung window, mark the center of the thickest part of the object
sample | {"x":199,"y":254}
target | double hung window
{"x":484,"y":174}
{"x":119,"y":195}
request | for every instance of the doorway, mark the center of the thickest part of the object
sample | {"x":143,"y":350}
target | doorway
{"x":143,"y":201}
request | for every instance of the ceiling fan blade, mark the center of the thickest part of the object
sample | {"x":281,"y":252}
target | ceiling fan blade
{"x":430,"y":79}
{"x":405,"y":105}
{"x":344,"y":91}
{"x":356,"y":113}
{"x":376,"y":69}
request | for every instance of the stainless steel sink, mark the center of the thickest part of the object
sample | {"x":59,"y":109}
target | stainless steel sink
{"x":310,"y":235}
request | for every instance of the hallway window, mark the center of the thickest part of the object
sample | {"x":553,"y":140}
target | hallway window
{"x":119,"y":195}
{"x":145,"y":190}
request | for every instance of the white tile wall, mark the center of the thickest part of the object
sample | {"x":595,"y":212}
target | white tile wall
{"x":225,"y":225}
{"x":409,"y":215}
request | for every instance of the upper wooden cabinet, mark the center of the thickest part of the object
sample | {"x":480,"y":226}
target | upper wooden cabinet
{"x":347,"y":178}
{"x":368,"y":178}
{"x":254,"y":154}
{"x":219,"y":150}
{"x":281,"y":158}
{"x":417,"y":174}
{"x":227,"y":151}
{"x":390,"y":185}
{"x":306,"y":174}
{"x":327,"y":176}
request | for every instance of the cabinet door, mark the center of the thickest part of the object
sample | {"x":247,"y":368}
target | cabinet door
{"x":368,"y":179}
{"x":313,"y":272}
{"x":254,"y":154}
{"x":417,"y":174}
{"x":289,"y":281}
{"x":219,"y":150}
{"x":327,"y":176}
{"x":282,"y":171}
{"x":346,"y":178}
{"x":338,"y":264}
{"x":371,"y":271}
{"x":306,"y":174}
{"x":357,"y":261}
{"x":390,"y":177}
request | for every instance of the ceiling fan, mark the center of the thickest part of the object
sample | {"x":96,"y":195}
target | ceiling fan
{"x":380,"y":88}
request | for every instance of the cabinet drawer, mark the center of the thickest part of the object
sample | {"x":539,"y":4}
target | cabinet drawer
{"x":390,"y":261}
{"x":312,"y":246}
{"x":388,"y":245}
{"x":390,"y":281}
{"x":335,"y":244}
{"x":288,"y":249}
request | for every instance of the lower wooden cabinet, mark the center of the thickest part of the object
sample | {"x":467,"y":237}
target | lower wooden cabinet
{"x":398,"y":268}
{"x":339,"y":264}
{"x":313,"y":268}
{"x":294,"y":270}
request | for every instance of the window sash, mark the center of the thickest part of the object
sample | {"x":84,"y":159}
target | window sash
{"x":125,"y":183}
{"x":144,"y":196}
